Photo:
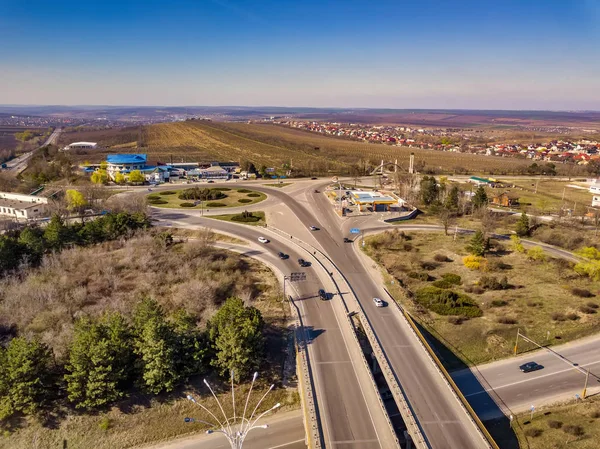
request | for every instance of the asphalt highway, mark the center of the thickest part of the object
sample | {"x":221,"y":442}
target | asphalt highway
{"x":285,"y":431}
{"x":561,"y":378}
{"x":348,"y":418}
{"x":19,"y":164}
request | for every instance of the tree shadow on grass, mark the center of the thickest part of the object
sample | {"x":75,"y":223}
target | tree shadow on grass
{"x":488,"y":406}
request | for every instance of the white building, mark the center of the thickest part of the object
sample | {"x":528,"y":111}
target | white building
{"x":22,"y":207}
{"x":81,"y":146}
{"x":596,"y":201}
{"x":595,"y":186}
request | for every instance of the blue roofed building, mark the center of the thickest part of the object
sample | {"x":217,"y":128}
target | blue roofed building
{"x":126,"y":163}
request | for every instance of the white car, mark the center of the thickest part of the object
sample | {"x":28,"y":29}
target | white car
{"x":378,"y":302}
{"x":263,"y":240}
{"x":313,"y":228}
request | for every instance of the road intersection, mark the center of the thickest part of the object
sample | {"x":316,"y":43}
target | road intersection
{"x":492,"y":389}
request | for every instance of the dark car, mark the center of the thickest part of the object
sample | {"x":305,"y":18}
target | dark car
{"x":347,"y":240}
{"x":313,"y":178}
{"x":316,"y":190}
{"x":323,"y":295}
{"x":210,"y":181}
{"x":303,"y":263}
{"x":529,"y":367}
{"x":282,"y":255}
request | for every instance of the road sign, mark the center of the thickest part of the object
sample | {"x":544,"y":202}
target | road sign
{"x":273,"y":177}
{"x":354,"y":231}
{"x":283,"y":177}
{"x":297,"y":276}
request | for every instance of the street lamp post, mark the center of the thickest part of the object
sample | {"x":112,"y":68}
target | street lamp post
{"x":234,"y":428}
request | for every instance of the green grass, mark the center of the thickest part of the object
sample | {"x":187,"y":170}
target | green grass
{"x":228,"y":217}
{"x":541,"y":292}
{"x":283,"y":184}
{"x":232,"y":200}
{"x":554,"y":420}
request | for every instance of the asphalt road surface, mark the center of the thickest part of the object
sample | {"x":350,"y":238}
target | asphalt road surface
{"x":18,"y":164}
{"x":284,"y":432}
{"x":348,"y":421}
{"x":561,"y":378}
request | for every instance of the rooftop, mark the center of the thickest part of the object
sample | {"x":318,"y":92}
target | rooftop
{"x":126,"y":158}
{"x":88,"y":144}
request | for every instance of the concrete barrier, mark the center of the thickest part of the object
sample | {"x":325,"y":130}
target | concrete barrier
{"x":339,"y":280}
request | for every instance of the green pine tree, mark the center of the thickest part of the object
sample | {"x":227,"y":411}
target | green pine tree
{"x":56,"y":233}
{"x":522,"y":227}
{"x":25,"y":377}
{"x":479,"y":244}
{"x":33,"y":241}
{"x":100,"y":361}
{"x":235,"y":333}
{"x":480,"y":199}
{"x":452,"y":199}
{"x":192,"y":347}
{"x":429,"y":190}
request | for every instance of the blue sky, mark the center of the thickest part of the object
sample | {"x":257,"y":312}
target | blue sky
{"x":488,"y":54}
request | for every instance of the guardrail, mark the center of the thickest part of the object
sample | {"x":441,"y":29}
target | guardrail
{"x":488,"y":437}
{"x":312,"y":423}
{"x":406,"y":412}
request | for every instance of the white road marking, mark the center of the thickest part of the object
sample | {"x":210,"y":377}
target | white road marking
{"x":286,"y":444}
{"x":530,"y":379}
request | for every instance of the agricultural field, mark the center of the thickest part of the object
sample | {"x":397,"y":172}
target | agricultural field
{"x":223,"y":197}
{"x":275,"y":146}
{"x":511,"y":291}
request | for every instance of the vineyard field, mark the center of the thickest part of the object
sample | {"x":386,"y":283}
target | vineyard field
{"x":273,"y":146}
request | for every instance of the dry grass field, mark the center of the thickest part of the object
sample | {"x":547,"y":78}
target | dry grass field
{"x":540,"y":297}
{"x":273,"y":146}
{"x":191,"y":275}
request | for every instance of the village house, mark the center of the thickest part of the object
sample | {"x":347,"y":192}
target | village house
{"x":505,"y":199}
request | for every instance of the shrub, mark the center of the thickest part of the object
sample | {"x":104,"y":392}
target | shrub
{"x":536,"y":254}
{"x":158,"y":202}
{"x":244,"y":200}
{"x":474,"y":262}
{"x":448,"y":280}
{"x":222,"y":189}
{"x":590,"y":269}
{"x":447,"y":302}
{"x":593,"y":305}
{"x":254,"y":195}
{"x":428,"y":265}
{"x":558,"y":316}
{"x":167,"y":192}
{"x":441,"y":258}
{"x":203,"y":194}
{"x":534,"y":304}
{"x":244,"y":191}
{"x":457,"y":320}
{"x":498,"y":303}
{"x":533,"y":432}
{"x":246,"y":217}
{"x":573,"y":430}
{"x":474,"y":289}
{"x":582,"y":292}
{"x":595,"y":414}
{"x":407,"y":247}
{"x":154,"y":196}
{"x":187,"y":205}
{"x":587,"y":310}
{"x":420,"y":275}
{"x":572,"y":316}
{"x":104,"y":423}
{"x":506,"y":320}
{"x":516,"y":244}
{"x":216,"y":205}
{"x":554,"y":424}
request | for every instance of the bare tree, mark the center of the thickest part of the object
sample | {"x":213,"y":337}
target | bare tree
{"x":447,"y":219}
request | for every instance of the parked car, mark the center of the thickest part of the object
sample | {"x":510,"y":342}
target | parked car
{"x":303,"y":263}
{"x":283,"y":255}
{"x":313,"y":228}
{"x":313,"y":178}
{"x":378,"y":302}
{"x":347,"y":240}
{"x":210,"y":181}
{"x":263,"y":240}
{"x":529,"y":367}
{"x":317,"y":191}
{"x":323,"y":295}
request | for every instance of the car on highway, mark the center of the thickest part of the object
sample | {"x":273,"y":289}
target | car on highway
{"x":283,"y":255}
{"x":210,"y":181}
{"x":263,"y":240}
{"x":378,"y":302}
{"x":313,"y":228}
{"x":347,"y":240}
{"x":529,"y":367}
{"x":317,"y":191}
{"x":313,"y":178}
{"x":303,"y":263}
{"x":323,"y":295}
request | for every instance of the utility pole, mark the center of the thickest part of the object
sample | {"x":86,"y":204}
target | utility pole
{"x":587,"y":377}
{"x":517,"y":341}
